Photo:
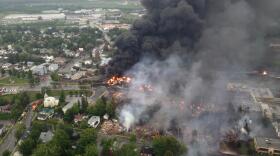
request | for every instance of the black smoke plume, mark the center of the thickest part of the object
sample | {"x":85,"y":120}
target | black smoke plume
{"x":188,"y":50}
{"x":170,"y":26}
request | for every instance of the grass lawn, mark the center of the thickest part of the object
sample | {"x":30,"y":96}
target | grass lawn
{"x":13,"y":81}
{"x":5,"y":116}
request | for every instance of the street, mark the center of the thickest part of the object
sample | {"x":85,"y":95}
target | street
{"x":9,"y":143}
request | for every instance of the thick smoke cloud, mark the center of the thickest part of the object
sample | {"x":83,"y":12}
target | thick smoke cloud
{"x":187,"y":50}
{"x":168,"y":23}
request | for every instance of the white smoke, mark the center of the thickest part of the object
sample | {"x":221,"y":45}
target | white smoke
{"x":226,"y":46}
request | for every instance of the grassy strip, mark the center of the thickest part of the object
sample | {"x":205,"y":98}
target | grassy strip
{"x":5,"y":116}
{"x":13,"y":81}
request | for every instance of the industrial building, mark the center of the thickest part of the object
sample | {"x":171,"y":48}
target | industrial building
{"x":35,"y":17}
{"x":267,"y":145}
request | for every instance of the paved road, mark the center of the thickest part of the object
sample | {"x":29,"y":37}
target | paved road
{"x":10,"y":141}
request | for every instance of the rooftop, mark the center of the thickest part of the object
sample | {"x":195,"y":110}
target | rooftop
{"x":267,"y":142}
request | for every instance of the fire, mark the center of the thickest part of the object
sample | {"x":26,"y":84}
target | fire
{"x":115,"y":80}
{"x":264,"y":73}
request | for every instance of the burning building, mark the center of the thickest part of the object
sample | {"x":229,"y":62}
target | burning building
{"x":187,"y":49}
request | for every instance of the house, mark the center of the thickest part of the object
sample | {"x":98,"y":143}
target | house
{"x":6,"y":66}
{"x":70,"y":105}
{"x":94,"y":121}
{"x":5,"y":108}
{"x":146,"y":151}
{"x":50,"y":101}
{"x":29,"y":64}
{"x":49,"y":58}
{"x":53,"y":67}
{"x":46,"y":136}
{"x":81,"y":49}
{"x":270,"y":146}
{"x":60,"y":61}
{"x":88,"y":62}
{"x":78,"y":75}
{"x":45,"y":114}
{"x":78,"y":118}
{"x":36,"y":103}
{"x":39,"y":70}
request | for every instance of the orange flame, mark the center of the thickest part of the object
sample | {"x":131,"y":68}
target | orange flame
{"x":119,"y":80}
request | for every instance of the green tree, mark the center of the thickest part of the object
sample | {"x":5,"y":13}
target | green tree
{"x":2,"y":71}
{"x":128,"y":150}
{"x":110,"y":108}
{"x":132,"y":138}
{"x":47,"y":150}
{"x":61,"y":141}
{"x":168,"y":153}
{"x":91,"y":150}
{"x":62,"y":97}
{"x":36,"y":129}
{"x":55,"y":77}
{"x":107,"y":147}
{"x":24,"y":98}
{"x":27,"y":146}
{"x":39,"y":96}
{"x":87,"y":137}
{"x":6,"y":153}
{"x":99,"y":109}
{"x":30,"y":77}
{"x":164,"y":144}
{"x":45,"y":90}
{"x":20,"y":129}
{"x":70,"y":114}
{"x":84,"y":104}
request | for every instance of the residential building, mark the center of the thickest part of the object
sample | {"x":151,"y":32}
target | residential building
{"x":45,"y":114}
{"x":78,"y":118}
{"x":36,"y":103}
{"x":5,"y":108}
{"x":39,"y":70}
{"x":50,"y":101}
{"x":53,"y":67}
{"x":46,"y":136}
{"x":60,"y":61}
{"x":78,"y":75}
{"x":94,"y":121}
{"x":70,"y":105}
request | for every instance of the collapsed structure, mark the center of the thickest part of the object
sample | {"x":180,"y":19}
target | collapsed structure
{"x":189,"y":50}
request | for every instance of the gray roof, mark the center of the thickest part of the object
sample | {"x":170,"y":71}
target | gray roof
{"x":46,"y":136}
{"x":267,"y":142}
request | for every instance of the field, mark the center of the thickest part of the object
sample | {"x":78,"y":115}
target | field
{"x":13,"y":81}
{"x":35,"y":6}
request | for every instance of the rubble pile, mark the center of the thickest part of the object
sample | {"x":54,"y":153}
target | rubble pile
{"x":110,"y":127}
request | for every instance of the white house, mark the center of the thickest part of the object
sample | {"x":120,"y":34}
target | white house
{"x":94,"y":121}
{"x":53,"y":67}
{"x":39,"y":70}
{"x":50,"y":101}
{"x":49,"y":58}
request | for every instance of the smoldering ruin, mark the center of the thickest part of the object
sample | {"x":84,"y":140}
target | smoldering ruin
{"x":185,"y":52}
